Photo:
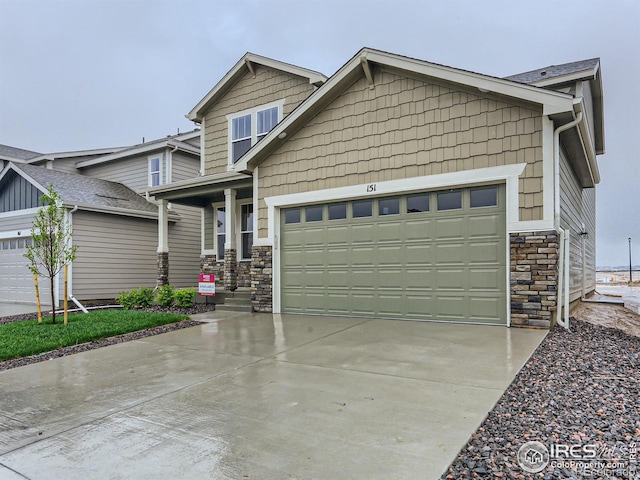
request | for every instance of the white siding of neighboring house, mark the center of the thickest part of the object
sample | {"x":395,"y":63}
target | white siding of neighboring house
{"x":577,"y":207}
{"x":132,"y":172}
{"x":184,"y":167}
{"x":14,"y":221}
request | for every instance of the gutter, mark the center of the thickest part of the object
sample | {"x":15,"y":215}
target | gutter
{"x":563,"y":261}
{"x":70,"y":285}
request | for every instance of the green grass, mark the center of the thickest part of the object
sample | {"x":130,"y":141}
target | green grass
{"x":20,"y":339}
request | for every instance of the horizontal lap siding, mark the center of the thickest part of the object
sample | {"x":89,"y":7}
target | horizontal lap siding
{"x":577,"y":207}
{"x":267,"y":86}
{"x":184,"y":167}
{"x":22,"y":223}
{"x":115,"y":253}
{"x":184,"y":247}
{"x":132,"y":172}
{"x":404,"y":128}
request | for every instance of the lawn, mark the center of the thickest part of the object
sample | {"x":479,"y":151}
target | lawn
{"x":21,"y":339}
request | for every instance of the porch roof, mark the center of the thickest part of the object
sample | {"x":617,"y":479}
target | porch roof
{"x":198,"y":191}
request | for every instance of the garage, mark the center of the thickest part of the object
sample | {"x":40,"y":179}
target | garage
{"x":15,"y":278}
{"x":439,"y":255}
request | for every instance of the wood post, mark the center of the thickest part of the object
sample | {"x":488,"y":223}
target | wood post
{"x":66,"y":293}
{"x":35,"y":282}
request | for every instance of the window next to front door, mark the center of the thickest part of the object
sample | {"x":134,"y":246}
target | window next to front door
{"x":248,"y":127}
{"x":246,"y":230}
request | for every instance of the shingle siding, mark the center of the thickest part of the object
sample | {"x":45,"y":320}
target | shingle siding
{"x":404,"y":128}
{"x":267,"y":86}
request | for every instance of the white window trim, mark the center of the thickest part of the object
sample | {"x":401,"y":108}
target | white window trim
{"x":216,"y":206}
{"x":150,"y":173}
{"x":254,"y":124}
{"x":239,"y":231}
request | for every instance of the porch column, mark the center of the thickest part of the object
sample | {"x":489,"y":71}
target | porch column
{"x":163,"y":243}
{"x":230,"y":250}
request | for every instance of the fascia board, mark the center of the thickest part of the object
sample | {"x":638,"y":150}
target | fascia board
{"x":553,"y":102}
{"x":199,"y":182}
{"x":232,"y":75}
{"x":119,"y":211}
{"x":24,"y":175}
{"x":137,"y":151}
{"x":79,"y":153}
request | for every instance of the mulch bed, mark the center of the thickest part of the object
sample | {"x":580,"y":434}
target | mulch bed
{"x":103,"y":342}
{"x":578,"y":388}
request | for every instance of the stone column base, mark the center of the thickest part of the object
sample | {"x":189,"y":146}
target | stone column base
{"x":230,"y":270}
{"x":163,"y":269}
{"x":262,"y":279}
{"x":534,"y":278}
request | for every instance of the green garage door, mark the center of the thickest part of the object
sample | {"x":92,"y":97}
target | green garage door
{"x":426,"y":256}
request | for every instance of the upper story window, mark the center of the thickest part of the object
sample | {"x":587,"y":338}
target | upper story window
{"x":246,"y":128}
{"x":159,"y":171}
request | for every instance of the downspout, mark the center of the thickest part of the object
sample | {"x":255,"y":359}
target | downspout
{"x":70,"y":292}
{"x":563,"y":261}
{"x":583,"y":236}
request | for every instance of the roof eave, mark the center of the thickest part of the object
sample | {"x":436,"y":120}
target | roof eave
{"x":151,"y":147}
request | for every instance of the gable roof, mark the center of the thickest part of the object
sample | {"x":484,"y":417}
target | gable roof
{"x":555,"y":74}
{"x":87,"y":193}
{"x":552,"y":102}
{"x":13,"y":153}
{"x":170,"y":141}
{"x":244,"y":65}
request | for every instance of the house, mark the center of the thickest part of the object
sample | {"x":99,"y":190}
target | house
{"x":114,"y":221}
{"x":399,"y":188}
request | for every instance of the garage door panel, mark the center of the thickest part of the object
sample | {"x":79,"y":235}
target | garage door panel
{"x":449,"y":229}
{"x":486,"y":279}
{"x":486,"y":309}
{"x":451,"y":279}
{"x":485,"y":225}
{"x":427,"y":265}
{"x":451,"y":307}
{"x":364,"y":303}
{"x":364,"y":279}
{"x":422,"y":279}
{"x":314,"y":237}
{"x":337,"y":235}
{"x":364,"y":256}
{"x":489,"y":251}
{"x":391,"y":278}
{"x":418,"y":229}
{"x":451,"y":253}
{"x":363,"y":233}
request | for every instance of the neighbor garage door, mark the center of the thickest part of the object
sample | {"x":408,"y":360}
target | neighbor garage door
{"x":16,"y":281}
{"x":427,"y":256}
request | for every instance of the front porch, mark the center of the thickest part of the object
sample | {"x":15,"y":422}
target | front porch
{"x":228,"y":226}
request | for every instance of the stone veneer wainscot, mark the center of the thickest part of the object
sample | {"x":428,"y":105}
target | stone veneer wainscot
{"x":534,"y":278}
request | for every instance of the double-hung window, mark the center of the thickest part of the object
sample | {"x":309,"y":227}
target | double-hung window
{"x":221,"y":228}
{"x":250,"y":126}
{"x":155,"y":171}
{"x":246,"y":230}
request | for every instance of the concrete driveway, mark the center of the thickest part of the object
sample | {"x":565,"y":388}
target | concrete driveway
{"x":7,"y":309}
{"x":260,"y":397}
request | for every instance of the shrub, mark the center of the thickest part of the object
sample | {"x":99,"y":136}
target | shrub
{"x":185,"y":297}
{"x":165,"y":295}
{"x":144,"y":297}
{"x":127,"y":299}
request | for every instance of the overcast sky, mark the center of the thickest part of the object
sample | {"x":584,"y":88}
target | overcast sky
{"x":99,"y":73}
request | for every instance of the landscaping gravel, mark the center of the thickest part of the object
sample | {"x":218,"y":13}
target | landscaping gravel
{"x":578,"y":388}
{"x":103,"y":342}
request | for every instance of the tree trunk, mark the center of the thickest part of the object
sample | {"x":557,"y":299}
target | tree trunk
{"x":53,"y":301}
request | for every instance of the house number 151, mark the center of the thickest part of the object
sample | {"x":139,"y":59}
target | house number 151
{"x":371,"y":188}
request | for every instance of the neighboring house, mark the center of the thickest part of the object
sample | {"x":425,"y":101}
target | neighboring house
{"x":114,"y":221}
{"x":12,"y":154}
{"x":399,"y":188}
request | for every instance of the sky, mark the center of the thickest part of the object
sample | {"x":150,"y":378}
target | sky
{"x":85,"y":74}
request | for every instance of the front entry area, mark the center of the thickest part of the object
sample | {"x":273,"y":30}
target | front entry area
{"x":439,"y":255}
